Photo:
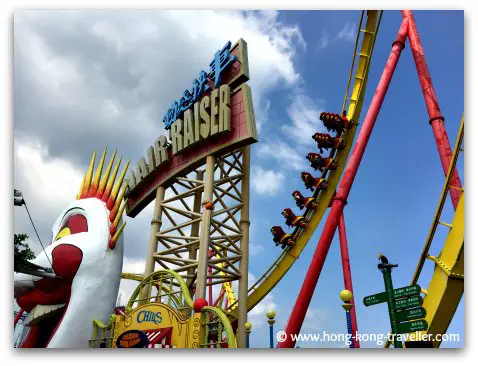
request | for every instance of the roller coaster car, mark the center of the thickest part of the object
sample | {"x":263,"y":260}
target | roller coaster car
{"x":325,"y":141}
{"x":302,"y":201}
{"x":335,"y":122}
{"x":312,"y":182}
{"x":281,"y":238}
{"x":319,"y":163}
{"x":292,"y":220}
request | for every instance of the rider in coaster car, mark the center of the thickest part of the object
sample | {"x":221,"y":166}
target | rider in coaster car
{"x":292,"y":220}
{"x":281,"y":238}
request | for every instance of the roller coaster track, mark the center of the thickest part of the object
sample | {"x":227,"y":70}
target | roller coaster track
{"x":446,"y":286}
{"x":301,"y":236}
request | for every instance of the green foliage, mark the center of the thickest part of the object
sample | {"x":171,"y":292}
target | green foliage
{"x":22,"y":252}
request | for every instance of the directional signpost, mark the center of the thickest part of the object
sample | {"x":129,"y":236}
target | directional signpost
{"x":404,"y":304}
{"x":413,"y":326}
{"x":397,"y":293}
{"x":407,"y":303}
{"x":411,"y":314}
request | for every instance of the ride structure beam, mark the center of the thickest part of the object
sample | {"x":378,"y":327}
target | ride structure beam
{"x":305,"y":295}
{"x":431,"y":101}
{"x":205,"y":224}
{"x":244,"y":264}
{"x":344,"y":252}
{"x":153,"y":239}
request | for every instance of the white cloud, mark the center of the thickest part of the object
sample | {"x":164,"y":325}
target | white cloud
{"x":130,"y":265}
{"x":348,"y":32}
{"x":262,"y":114}
{"x":285,"y":155}
{"x":56,"y":180}
{"x":304,"y":114}
{"x":47,"y":184}
{"x":324,"y":40}
{"x":257,"y":316}
{"x":266,"y":182}
{"x":83,"y":80}
{"x":255,"y":249}
{"x":315,"y":319}
{"x":84,"y":76}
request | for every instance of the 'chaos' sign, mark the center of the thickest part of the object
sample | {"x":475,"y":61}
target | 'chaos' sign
{"x":214,"y":117}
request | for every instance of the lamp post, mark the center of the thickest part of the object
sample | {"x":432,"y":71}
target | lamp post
{"x":271,"y":314}
{"x":346,"y":296}
{"x":247,"y":327}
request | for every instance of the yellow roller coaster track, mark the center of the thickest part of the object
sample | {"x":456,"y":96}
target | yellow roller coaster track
{"x":446,"y":286}
{"x":313,"y":216}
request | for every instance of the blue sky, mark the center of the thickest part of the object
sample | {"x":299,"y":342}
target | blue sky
{"x":397,"y":187}
{"x":86,"y":80}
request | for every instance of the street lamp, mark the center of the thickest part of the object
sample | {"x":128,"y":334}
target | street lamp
{"x":271,"y":314}
{"x":346,"y":296}
{"x":248,"y":327}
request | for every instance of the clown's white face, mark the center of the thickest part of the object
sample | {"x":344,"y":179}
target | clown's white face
{"x":62,"y":309}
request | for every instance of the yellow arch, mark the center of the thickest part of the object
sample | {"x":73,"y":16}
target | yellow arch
{"x":147,"y":281}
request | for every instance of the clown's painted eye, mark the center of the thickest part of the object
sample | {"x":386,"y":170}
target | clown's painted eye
{"x":74,"y":224}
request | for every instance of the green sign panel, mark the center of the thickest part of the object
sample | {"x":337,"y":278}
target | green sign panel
{"x":411,"y":314}
{"x":397,"y":293}
{"x":406,"y":291}
{"x":410,"y":302}
{"x":375,"y":299}
{"x":413,"y":326}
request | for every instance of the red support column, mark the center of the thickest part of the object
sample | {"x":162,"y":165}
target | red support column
{"x":435,"y":117}
{"x":17,"y":318}
{"x":303,"y":300}
{"x":344,"y":252}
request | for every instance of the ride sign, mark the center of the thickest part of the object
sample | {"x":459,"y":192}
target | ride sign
{"x":214,"y":117}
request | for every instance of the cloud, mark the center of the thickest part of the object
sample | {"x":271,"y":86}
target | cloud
{"x":315,"y":319}
{"x":84,"y":76}
{"x":47,"y":184}
{"x":304,"y":113}
{"x":348,"y":32}
{"x":286,"y":156}
{"x":255,"y":249}
{"x":266,"y":182}
{"x":128,"y":286}
{"x":324,"y":40}
{"x":82,"y":80}
{"x":257,"y":316}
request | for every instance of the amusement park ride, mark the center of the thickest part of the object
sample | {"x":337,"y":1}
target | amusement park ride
{"x":199,"y":180}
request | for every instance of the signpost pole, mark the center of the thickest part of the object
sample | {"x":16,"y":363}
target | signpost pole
{"x":205,"y":225}
{"x":244,"y":264}
{"x":153,"y":239}
{"x":386,"y":270}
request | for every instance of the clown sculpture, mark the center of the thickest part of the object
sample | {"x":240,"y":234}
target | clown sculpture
{"x":86,"y":258}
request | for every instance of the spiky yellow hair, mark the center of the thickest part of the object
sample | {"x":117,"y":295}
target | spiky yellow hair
{"x":105,"y":189}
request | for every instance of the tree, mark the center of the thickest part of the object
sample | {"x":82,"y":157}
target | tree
{"x":22,"y":252}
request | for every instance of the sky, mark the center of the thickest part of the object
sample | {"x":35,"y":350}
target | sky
{"x":83,"y":80}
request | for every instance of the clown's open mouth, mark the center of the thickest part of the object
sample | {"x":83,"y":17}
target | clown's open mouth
{"x":48,"y":301}
{"x":43,"y":321}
